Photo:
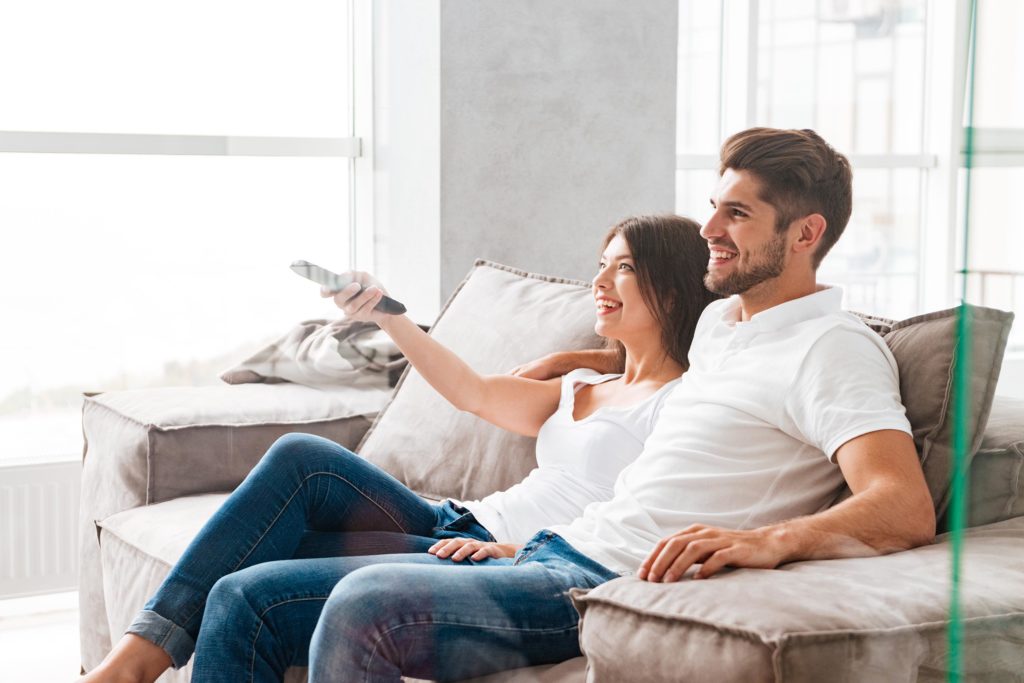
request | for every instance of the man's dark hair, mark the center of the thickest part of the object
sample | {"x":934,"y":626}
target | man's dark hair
{"x":670,"y":259}
{"x":800,"y":174}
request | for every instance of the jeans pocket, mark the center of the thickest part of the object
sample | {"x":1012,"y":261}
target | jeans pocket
{"x":458,"y":522}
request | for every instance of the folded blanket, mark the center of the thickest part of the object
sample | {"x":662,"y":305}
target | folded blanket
{"x":323,"y":354}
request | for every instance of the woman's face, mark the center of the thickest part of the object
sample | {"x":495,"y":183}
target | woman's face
{"x":621,"y":311}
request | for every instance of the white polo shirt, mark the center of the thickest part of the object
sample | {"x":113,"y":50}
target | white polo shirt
{"x":747,"y":437}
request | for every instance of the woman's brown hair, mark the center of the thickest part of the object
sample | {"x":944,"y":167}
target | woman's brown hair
{"x":670,"y":259}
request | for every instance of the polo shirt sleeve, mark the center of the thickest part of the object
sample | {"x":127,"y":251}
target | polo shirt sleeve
{"x":847,"y":386}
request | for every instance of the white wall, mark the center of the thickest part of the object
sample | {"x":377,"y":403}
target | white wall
{"x":516,"y":131}
{"x":406,"y":146}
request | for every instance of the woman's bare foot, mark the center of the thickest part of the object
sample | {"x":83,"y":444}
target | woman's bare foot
{"x":133,"y":660}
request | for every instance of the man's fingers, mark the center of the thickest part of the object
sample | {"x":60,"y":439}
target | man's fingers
{"x":646,"y":565}
{"x":717,"y":561}
{"x":665,"y":553}
{"x":696,"y":551}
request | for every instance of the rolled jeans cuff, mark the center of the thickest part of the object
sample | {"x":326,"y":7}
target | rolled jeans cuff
{"x":164,"y":633}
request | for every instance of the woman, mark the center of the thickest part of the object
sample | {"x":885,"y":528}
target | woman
{"x":247,"y":592}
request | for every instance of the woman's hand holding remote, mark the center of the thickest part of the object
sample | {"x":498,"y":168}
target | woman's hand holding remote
{"x":359,"y":298}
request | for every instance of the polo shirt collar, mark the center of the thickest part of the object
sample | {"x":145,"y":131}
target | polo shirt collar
{"x":826,"y":300}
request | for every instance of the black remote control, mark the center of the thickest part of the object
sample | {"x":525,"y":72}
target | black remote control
{"x":336,"y":283}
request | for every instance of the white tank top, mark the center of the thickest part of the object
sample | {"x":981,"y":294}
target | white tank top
{"x":578,"y":462}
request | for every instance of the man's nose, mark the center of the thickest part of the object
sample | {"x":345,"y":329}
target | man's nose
{"x":712,"y":227}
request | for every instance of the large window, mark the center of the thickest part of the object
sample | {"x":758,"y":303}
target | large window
{"x":884,"y":81}
{"x":161,"y":167}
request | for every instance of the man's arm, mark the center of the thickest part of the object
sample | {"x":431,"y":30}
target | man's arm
{"x":890,"y":510}
{"x":606,"y":361}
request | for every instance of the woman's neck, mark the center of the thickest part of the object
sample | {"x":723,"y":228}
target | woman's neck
{"x":649,"y":362}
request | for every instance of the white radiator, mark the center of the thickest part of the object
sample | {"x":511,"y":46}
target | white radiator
{"x":38,"y":528}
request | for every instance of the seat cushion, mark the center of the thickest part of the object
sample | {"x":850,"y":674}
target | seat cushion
{"x":138,"y":547}
{"x":498,"y":318}
{"x":868,"y":619}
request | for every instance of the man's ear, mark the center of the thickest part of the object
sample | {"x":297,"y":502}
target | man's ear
{"x":811,"y":228}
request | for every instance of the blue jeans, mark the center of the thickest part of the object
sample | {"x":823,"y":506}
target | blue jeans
{"x":431,"y":620}
{"x":247,"y":593}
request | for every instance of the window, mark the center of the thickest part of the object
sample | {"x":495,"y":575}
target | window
{"x":161,"y":168}
{"x":878,"y":79}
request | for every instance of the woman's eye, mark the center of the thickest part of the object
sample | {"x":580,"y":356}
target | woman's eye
{"x":626,"y":266}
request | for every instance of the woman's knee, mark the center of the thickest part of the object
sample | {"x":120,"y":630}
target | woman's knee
{"x":297,"y":450}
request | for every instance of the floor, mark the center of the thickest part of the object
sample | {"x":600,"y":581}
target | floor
{"x":39,"y":638}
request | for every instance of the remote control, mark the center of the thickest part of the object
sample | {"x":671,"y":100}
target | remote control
{"x":336,"y":283}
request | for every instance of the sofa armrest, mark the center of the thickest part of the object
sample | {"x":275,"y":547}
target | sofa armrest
{"x":150,"y":445}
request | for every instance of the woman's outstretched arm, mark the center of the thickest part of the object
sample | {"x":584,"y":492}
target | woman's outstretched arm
{"x":515,"y":403}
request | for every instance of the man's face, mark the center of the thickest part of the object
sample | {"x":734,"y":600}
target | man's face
{"x":745,"y":248}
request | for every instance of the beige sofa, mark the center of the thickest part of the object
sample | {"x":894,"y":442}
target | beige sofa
{"x":159,"y":462}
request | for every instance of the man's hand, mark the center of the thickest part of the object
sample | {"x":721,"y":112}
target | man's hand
{"x":714,"y":548}
{"x":461,"y":548}
{"x":545,"y":367}
{"x":562,"y":362}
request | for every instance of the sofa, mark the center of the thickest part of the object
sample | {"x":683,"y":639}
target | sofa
{"x":157,"y":463}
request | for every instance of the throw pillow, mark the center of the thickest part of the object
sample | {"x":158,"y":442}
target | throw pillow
{"x":498,"y":318}
{"x":925,"y":350}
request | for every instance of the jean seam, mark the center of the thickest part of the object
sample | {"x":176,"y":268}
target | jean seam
{"x":533,"y":551}
{"x":285,"y":507}
{"x":252,"y":660}
{"x":382,"y":636}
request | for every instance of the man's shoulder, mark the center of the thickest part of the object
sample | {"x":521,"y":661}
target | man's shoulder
{"x":843,"y":343}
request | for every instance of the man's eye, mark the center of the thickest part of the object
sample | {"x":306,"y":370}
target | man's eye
{"x":738,"y":213}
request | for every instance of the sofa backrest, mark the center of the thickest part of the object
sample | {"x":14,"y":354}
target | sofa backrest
{"x":500,"y":317}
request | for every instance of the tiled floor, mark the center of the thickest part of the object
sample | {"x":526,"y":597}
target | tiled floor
{"x":39,"y":639}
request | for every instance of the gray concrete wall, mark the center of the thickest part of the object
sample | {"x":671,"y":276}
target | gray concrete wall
{"x":557,"y":119}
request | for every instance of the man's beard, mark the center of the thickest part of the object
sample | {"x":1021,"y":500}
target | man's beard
{"x":766,"y":264}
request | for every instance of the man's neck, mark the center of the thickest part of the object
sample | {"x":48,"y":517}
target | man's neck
{"x":774,"y":292}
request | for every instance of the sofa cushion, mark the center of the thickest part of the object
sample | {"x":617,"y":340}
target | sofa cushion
{"x":996,"y":482}
{"x":925,"y":348}
{"x":862,"y":619}
{"x":139,"y":546}
{"x":497,"y":318}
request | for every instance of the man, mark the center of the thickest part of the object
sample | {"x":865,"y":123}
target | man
{"x":786,"y":398}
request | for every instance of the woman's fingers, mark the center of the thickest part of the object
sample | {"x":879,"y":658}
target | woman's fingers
{"x":444,"y":548}
{"x":467,"y":549}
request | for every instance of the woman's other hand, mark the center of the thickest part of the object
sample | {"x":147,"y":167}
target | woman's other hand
{"x":356,"y":304}
{"x":461,"y":548}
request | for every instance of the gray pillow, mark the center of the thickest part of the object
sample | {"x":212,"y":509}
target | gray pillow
{"x":925,"y":350}
{"x":498,"y":318}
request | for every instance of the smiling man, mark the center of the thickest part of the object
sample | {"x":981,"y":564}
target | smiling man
{"x":787,"y":398}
